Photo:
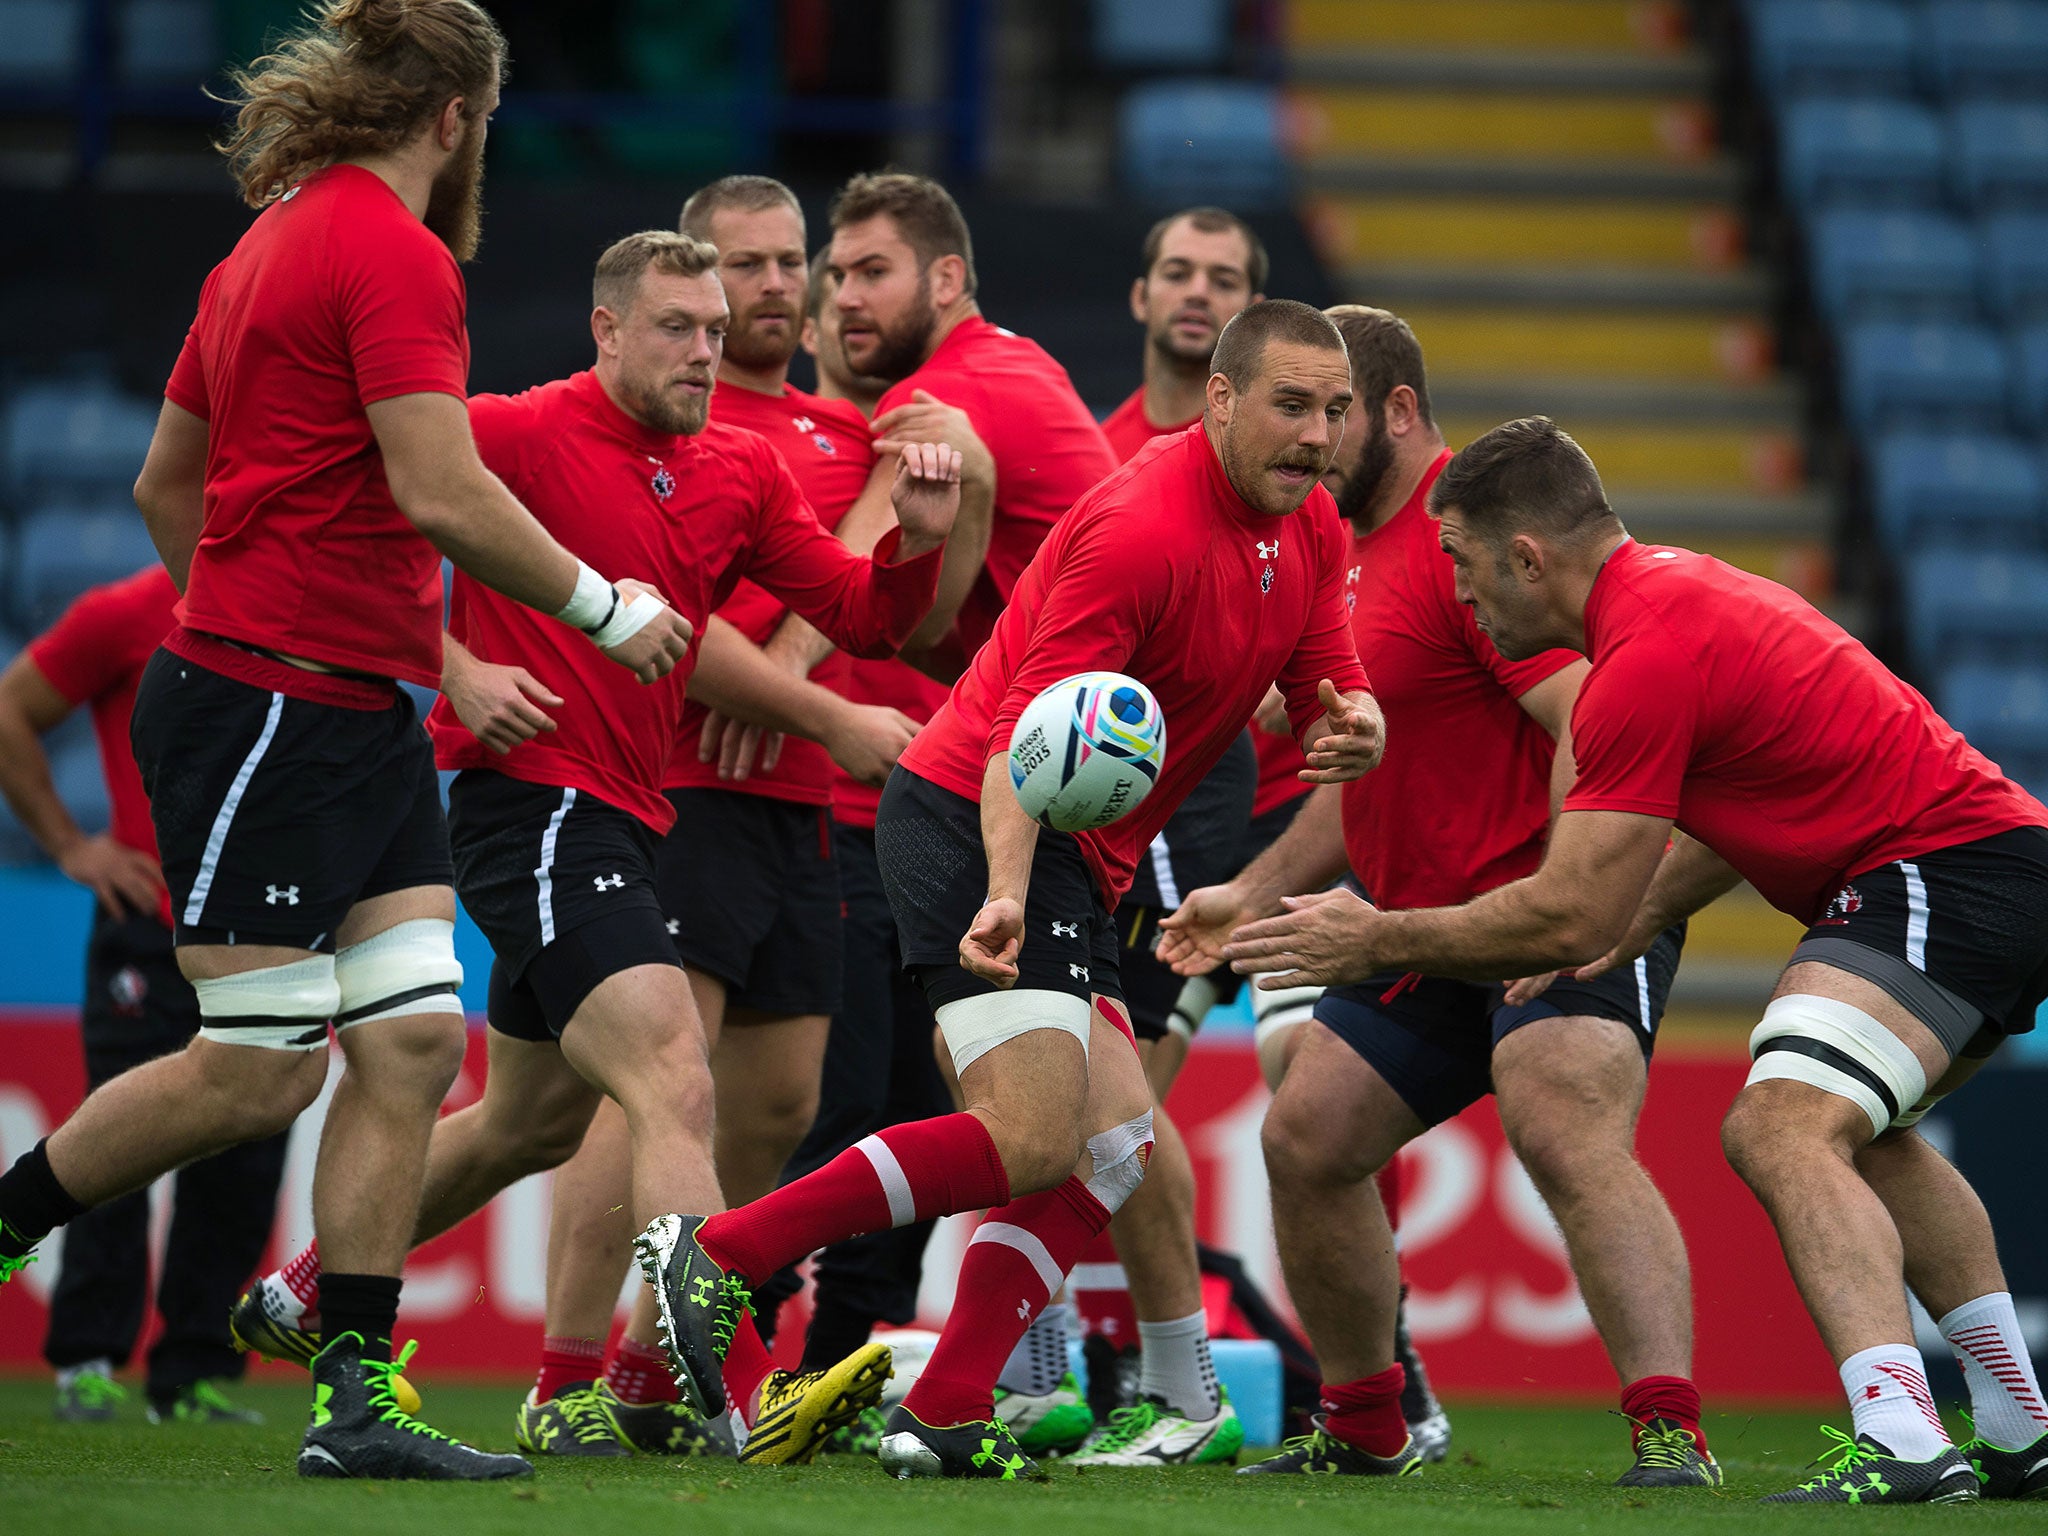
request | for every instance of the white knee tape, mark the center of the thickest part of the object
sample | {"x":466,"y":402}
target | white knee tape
{"x":1118,"y":1155}
{"x":408,"y":968}
{"x":281,"y":1007}
{"x":974,"y":1026}
{"x":1841,"y":1050}
{"x":1276,"y":1012}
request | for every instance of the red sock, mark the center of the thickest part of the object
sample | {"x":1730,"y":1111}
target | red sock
{"x":564,"y":1363}
{"x":746,"y":1366}
{"x":1367,"y":1412}
{"x":1015,"y":1262}
{"x":1389,"y":1181}
{"x":302,"y":1276}
{"x":1102,"y":1295}
{"x":906,"y":1173}
{"x":1665,"y":1397}
{"x":639,"y":1373}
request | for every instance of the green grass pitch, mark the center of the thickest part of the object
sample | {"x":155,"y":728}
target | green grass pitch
{"x":1511,"y":1470}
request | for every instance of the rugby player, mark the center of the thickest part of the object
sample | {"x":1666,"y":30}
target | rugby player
{"x":1189,"y":571}
{"x":137,"y":1006}
{"x":836,"y":378}
{"x":1461,"y":806}
{"x":1721,"y":705}
{"x":311,"y":465}
{"x":554,"y":834}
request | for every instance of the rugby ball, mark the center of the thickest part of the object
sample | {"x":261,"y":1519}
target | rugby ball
{"x":1087,"y":750}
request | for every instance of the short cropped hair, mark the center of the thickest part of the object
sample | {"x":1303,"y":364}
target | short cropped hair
{"x":1242,"y":346}
{"x":1384,"y":355}
{"x":1525,"y":476}
{"x":1210,"y":221}
{"x":748,"y":194}
{"x":619,"y":269}
{"x":923,"y":211}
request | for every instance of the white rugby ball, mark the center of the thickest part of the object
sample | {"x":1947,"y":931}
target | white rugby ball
{"x":1087,"y":750}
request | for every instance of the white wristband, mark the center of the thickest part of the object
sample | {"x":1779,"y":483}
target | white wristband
{"x":594,"y":601}
{"x":630,"y":618}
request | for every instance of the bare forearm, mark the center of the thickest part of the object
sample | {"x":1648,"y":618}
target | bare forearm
{"x":1689,"y":876}
{"x":735,"y":677}
{"x":1519,"y":929}
{"x":966,"y":554}
{"x":481,"y":526}
{"x":1008,"y":836}
{"x":1306,"y":857}
{"x":30,"y":791}
{"x":175,"y":521}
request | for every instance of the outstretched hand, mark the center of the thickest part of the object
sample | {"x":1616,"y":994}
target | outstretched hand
{"x":1348,"y":742}
{"x":1322,"y":940}
{"x":1192,"y":936}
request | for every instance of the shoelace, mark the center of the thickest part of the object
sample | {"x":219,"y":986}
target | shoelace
{"x":1125,"y":1425}
{"x":378,"y":1374}
{"x":735,"y":1302}
{"x":1839,"y":1460}
{"x":1317,"y":1443}
{"x":1661,"y":1443}
{"x":11,"y":1266}
{"x":587,"y":1417}
{"x":97,"y":1391}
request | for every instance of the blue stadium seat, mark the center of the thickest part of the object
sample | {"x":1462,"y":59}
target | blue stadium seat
{"x":1991,"y":608}
{"x":165,"y":42}
{"x":64,"y":549}
{"x":1957,"y":492}
{"x":2002,"y":710}
{"x":2030,"y":378}
{"x":1142,"y":34}
{"x":44,"y":39}
{"x":1901,"y":263}
{"x":84,"y":436}
{"x":1873,"y":152}
{"x":1898,"y":374}
{"x":2014,"y":258}
{"x":1987,"y":47}
{"x":1211,"y":141}
{"x":2001,"y":154}
{"x":1807,"y":47}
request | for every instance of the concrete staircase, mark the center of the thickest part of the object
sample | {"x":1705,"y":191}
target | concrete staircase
{"x":1536,"y":186}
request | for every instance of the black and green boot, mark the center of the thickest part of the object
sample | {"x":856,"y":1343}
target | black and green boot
{"x":1321,"y":1453}
{"x":986,"y":1448}
{"x":699,"y":1305}
{"x":1859,"y":1470}
{"x":358,"y":1429}
{"x":574,"y":1422}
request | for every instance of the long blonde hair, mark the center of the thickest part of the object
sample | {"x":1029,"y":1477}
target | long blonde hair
{"x":360,"y":78}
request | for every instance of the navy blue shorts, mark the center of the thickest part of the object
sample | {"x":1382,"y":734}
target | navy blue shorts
{"x":1432,"y":1039}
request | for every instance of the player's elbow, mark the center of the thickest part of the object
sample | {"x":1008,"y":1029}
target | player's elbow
{"x":1581,"y":937}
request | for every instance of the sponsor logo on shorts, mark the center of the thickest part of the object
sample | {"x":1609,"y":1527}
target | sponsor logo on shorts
{"x":128,"y":989}
{"x":1066,"y":930}
{"x":1848,"y":901}
{"x":1078,"y":972}
{"x":288,"y":894}
{"x":675,"y":926}
{"x":609,"y":882}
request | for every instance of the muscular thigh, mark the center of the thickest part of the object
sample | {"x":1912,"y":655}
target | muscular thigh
{"x":1579,"y":1072}
{"x":1336,"y":1114}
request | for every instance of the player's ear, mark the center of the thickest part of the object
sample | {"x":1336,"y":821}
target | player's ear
{"x":1527,"y":557}
{"x":1138,"y":299}
{"x":949,"y":281}
{"x":448,"y":127}
{"x":604,"y":330}
{"x":1219,"y":398}
{"x":807,"y":338}
{"x":1402,"y":411}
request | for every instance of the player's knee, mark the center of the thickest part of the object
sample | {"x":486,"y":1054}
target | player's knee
{"x":1300,"y":1150}
{"x":1038,"y":1152}
{"x":1849,"y":1076}
{"x":1560,"y":1158}
{"x":1117,"y":1160}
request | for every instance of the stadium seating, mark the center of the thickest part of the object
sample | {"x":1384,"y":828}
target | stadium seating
{"x":1987,"y":47}
{"x":1911,"y":373}
{"x":1981,"y":607}
{"x":83,"y":436}
{"x":165,"y":41}
{"x":1140,"y":34}
{"x":1870,"y":152}
{"x":1958,"y":492}
{"x":2030,"y":378}
{"x":44,"y":39}
{"x":65,"y":548}
{"x":2002,"y":710}
{"x":1808,"y":46}
{"x":1207,"y":141}
{"x":2015,"y":266}
{"x":1897,"y":263}
{"x":2001,"y":154}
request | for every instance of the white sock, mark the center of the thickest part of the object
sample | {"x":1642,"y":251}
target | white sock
{"x":2005,"y":1398}
{"x":1888,"y":1394}
{"x":68,"y":1374}
{"x":1039,"y":1361}
{"x":1174,"y":1365}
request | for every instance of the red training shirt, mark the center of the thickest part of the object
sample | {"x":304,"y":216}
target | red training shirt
{"x":1462,"y":804}
{"x":1764,"y":730}
{"x":335,"y":298}
{"x":94,"y":655}
{"x":1128,"y":428}
{"x":690,"y":515}
{"x":1165,"y":573}
{"x":826,"y":445}
{"x":1048,"y":450}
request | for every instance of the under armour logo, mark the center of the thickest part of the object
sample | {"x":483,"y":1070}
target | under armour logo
{"x":674,"y":927}
{"x":803,"y":423}
{"x":1353,"y":574}
{"x":1024,"y":1311}
{"x":1269,"y":551}
{"x":1066,"y":930}
{"x":1078,"y":972}
{"x":609,"y":882}
{"x":289,"y":895}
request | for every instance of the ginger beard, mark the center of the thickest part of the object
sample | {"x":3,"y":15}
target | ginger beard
{"x":455,"y":204}
{"x":650,"y":396}
{"x":761,"y":351}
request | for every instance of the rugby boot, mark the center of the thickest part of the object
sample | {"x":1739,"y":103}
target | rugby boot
{"x":862,"y":1437}
{"x":267,"y":1322}
{"x":1323,"y":1453}
{"x":2002,"y":1474}
{"x":1669,"y":1456}
{"x":799,"y":1411}
{"x":986,"y":1448}
{"x":358,"y":1429}
{"x":665,"y":1429}
{"x":1150,"y":1434}
{"x":1047,"y":1424}
{"x":1860,"y":1470}
{"x":16,"y":1252}
{"x":1427,"y":1422}
{"x":200,"y":1403}
{"x":87,"y":1394}
{"x":699,"y":1305}
{"x":574,"y":1422}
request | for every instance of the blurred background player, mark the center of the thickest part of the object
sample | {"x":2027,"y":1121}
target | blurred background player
{"x":821,"y":340}
{"x":320,"y":394}
{"x":1033,"y":978}
{"x":1463,"y":808}
{"x":554,"y":817}
{"x":137,"y":1006}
